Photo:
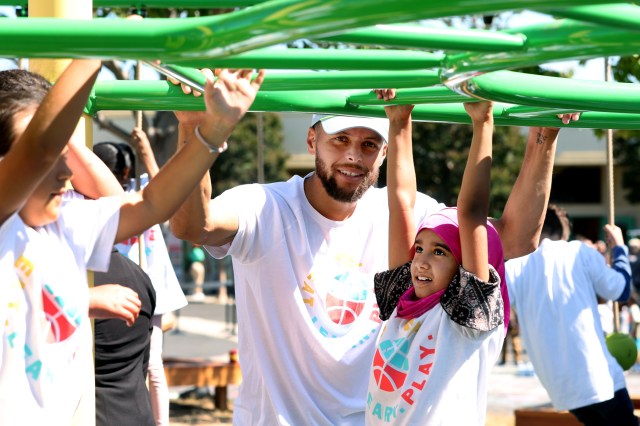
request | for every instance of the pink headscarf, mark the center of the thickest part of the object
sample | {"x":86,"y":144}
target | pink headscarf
{"x":445,"y":224}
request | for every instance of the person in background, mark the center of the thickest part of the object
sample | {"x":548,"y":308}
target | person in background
{"x":153,"y":257}
{"x":634,"y":260}
{"x":554,"y":290}
{"x":121,"y":352}
{"x":197,"y":272}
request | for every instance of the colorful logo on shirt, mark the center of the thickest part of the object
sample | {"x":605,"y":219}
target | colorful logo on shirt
{"x":390,"y":364}
{"x":64,"y":321}
{"x":337,"y":294}
{"x":346,"y":298}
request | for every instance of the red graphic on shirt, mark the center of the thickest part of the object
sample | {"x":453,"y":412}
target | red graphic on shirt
{"x":343,"y":311}
{"x":390,"y":364}
{"x":346,"y":299}
{"x":63,"y":325}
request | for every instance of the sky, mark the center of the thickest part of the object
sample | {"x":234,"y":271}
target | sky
{"x":592,"y":70}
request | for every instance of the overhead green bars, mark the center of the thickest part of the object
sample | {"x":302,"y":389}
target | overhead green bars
{"x":262,"y":25}
{"x":435,"y":68}
{"x":323,"y":59}
{"x":622,"y":15}
{"x":562,"y":39}
{"x":554,"y":92}
{"x":415,"y":36}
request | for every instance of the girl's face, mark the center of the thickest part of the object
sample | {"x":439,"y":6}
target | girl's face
{"x":43,"y":205}
{"x":433,"y":266}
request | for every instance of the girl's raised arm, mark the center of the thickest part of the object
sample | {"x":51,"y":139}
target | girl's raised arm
{"x":31,"y":157}
{"x":473,"y":200}
{"x":401,"y":182}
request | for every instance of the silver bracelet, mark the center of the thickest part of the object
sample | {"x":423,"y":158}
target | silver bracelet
{"x":212,"y":149}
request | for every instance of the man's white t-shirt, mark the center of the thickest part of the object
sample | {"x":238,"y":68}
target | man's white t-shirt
{"x":554,"y":293}
{"x":46,"y":337}
{"x":307,"y":317}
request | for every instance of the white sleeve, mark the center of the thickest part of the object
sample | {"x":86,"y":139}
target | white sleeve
{"x":511,"y":270}
{"x":607,"y":282}
{"x":92,"y":226}
{"x":425,"y":206}
{"x":249,"y":202}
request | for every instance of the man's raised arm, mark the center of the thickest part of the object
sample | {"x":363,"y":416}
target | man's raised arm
{"x":523,"y":215}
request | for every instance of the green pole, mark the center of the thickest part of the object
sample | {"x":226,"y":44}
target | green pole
{"x":621,"y":15}
{"x":318,"y":59}
{"x":116,"y":96}
{"x":262,"y":25}
{"x":555,"y":92}
{"x":559,"y":40}
{"x":421,"y":37}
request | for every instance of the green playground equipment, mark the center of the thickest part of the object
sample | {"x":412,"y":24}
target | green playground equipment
{"x":437,"y":68}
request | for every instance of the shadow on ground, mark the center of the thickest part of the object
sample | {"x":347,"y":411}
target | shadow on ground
{"x":193,"y":409}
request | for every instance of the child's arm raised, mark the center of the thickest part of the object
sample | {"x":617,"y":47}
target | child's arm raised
{"x":401,"y":182}
{"x":141,"y":144}
{"x":226,"y":103}
{"x":91,"y":177}
{"x":34,"y":153}
{"x":473,"y":200}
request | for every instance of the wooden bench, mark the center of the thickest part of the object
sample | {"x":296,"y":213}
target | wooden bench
{"x":201,"y":372}
{"x":546,"y":415}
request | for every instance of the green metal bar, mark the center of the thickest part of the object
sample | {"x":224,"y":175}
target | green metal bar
{"x":334,"y":59}
{"x":555,"y":92}
{"x":621,"y":15}
{"x":414,"y":36}
{"x":157,"y":4}
{"x":560,"y":40}
{"x":439,"y":94}
{"x":528,"y":112}
{"x":286,"y":81}
{"x":262,"y":25}
{"x":455,"y":113}
{"x":169,"y":97}
{"x":332,"y":80}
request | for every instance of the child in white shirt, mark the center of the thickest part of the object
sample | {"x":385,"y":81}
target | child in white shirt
{"x":442,"y":296}
{"x":47,"y":243}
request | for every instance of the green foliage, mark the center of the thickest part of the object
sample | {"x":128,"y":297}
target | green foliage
{"x":239,"y":165}
{"x":157,"y":12}
{"x":440,"y":153}
{"x":626,"y":143}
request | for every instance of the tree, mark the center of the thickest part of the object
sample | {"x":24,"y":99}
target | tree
{"x":240,"y":166}
{"x":626,"y":143}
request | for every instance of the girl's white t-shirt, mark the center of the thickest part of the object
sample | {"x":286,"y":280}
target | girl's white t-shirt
{"x":46,"y":335}
{"x":433,"y":369}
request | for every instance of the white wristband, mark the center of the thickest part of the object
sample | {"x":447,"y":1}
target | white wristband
{"x":212,"y":149}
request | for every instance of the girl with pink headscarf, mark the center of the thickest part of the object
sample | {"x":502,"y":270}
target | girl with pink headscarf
{"x":444,"y":297}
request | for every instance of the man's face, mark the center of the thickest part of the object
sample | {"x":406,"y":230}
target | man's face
{"x":348,"y":162}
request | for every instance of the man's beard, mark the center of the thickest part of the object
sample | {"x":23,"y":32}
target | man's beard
{"x":343,"y":195}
